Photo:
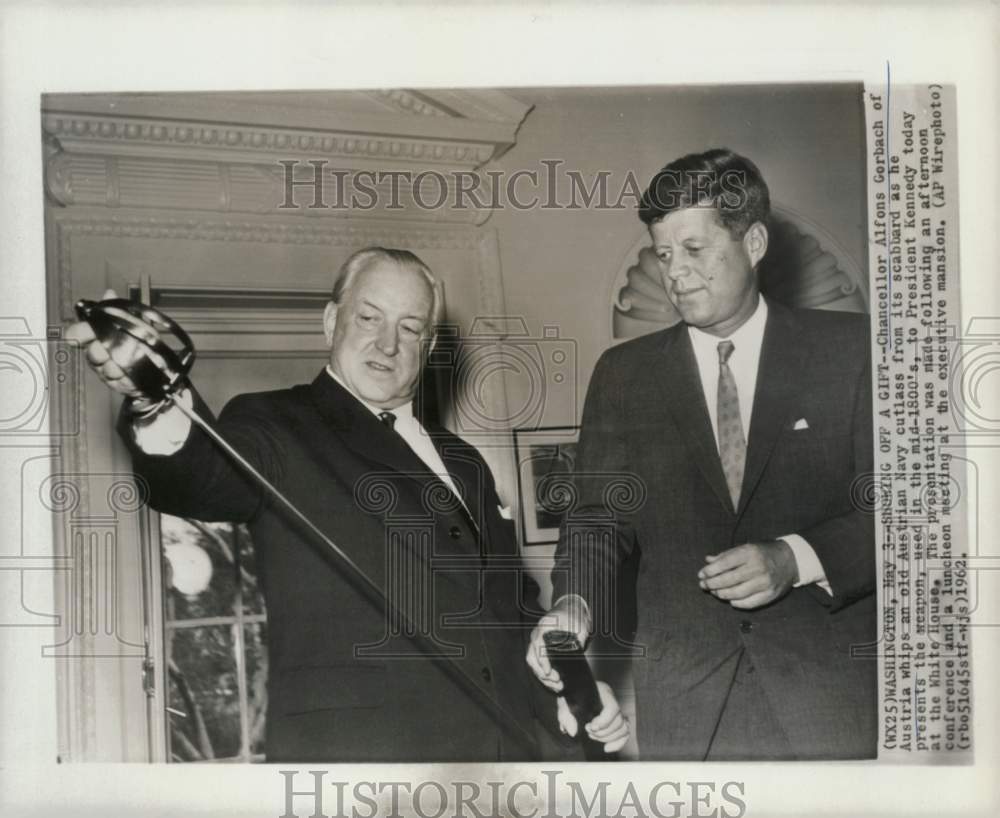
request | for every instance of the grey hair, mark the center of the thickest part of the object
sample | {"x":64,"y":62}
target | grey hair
{"x":364,"y":259}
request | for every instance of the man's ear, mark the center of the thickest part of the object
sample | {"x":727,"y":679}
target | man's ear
{"x":755,"y":242}
{"x":329,"y":321}
{"x":429,"y":348}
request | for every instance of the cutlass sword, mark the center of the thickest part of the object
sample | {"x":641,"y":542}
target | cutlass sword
{"x":160,"y":371}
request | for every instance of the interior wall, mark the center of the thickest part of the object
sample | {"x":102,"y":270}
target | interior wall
{"x":559,"y":264}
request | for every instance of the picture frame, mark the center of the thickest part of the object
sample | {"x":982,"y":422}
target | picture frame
{"x":543,"y":456}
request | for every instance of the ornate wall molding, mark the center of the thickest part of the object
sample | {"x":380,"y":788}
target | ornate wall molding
{"x":123,"y":136}
{"x":68,"y":224}
{"x":387,"y":154}
{"x":180,"y":150}
{"x":479,"y":115}
{"x":132,"y":182}
{"x":484,"y":104}
{"x":475,"y":104}
{"x":408,"y":101}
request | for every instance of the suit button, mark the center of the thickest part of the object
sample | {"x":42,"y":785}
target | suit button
{"x":454,"y":532}
{"x":485,"y":673}
{"x":746,"y":626}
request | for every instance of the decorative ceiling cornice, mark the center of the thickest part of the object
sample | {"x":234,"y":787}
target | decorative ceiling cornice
{"x":128,"y":182}
{"x":407,"y":101}
{"x":171,"y":139}
{"x":223,"y":152}
{"x":393,"y":127}
{"x":70,"y":224}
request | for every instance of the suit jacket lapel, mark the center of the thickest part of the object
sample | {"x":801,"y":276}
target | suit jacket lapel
{"x":685,"y":398}
{"x":465,"y":466}
{"x":361,"y":430}
{"x":782,"y":359}
{"x":365,"y":434}
{"x":464,"y":470}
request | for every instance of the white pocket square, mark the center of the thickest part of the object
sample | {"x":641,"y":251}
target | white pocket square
{"x":505,"y":512}
{"x":800,"y":424}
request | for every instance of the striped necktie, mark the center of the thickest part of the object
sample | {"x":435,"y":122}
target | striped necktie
{"x":732,"y":442}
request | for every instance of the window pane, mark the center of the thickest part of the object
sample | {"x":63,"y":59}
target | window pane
{"x":217,"y":699}
{"x":255,"y":645}
{"x":253,"y":599}
{"x":203,"y":694}
{"x":200,"y":572}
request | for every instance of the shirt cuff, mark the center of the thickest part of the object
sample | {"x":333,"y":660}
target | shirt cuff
{"x":165,"y":432}
{"x":569,"y":600}
{"x":810,"y":568}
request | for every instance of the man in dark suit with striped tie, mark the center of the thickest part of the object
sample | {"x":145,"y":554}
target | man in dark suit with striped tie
{"x":749,"y":426}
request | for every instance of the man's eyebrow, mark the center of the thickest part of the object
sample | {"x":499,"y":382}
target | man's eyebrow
{"x":423,"y":319}
{"x":413,"y":317}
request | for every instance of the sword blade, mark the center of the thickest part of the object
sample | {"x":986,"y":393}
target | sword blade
{"x":447,"y":663}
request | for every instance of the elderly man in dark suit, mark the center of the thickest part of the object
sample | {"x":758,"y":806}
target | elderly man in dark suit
{"x":749,"y":426}
{"x":414,"y":507}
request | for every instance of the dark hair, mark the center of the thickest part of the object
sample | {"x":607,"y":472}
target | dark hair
{"x":717,"y":178}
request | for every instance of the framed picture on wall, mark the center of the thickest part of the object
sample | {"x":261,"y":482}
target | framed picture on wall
{"x":545,"y":460}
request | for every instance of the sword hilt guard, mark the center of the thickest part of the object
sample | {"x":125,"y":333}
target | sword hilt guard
{"x":133,"y":334}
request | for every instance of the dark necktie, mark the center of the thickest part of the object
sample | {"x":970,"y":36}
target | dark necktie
{"x":732,"y":443}
{"x":388,"y":420}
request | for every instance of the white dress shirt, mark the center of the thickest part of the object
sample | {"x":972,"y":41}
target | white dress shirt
{"x":413,"y":432}
{"x":165,"y":432}
{"x":744,"y":362}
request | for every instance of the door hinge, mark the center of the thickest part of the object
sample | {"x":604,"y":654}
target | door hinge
{"x":149,"y":676}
